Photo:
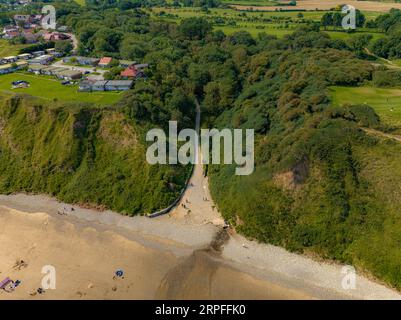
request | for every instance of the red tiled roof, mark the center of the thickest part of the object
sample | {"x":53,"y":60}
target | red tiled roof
{"x":105,"y":60}
{"x":130,"y":72}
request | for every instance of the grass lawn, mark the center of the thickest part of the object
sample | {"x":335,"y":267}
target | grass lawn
{"x":50,"y":89}
{"x":272,"y":22}
{"x":7,"y":49}
{"x":386,"y":102}
{"x":81,"y":2}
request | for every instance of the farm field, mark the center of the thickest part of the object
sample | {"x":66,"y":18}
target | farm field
{"x":50,"y":89}
{"x":327,"y":5}
{"x":9,"y":50}
{"x":386,"y":102}
{"x":272,"y":22}
{"x":251,"y":2}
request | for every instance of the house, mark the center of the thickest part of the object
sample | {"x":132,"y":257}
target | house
{"x":55,"y":36}
{"x":11,"y":34}
{"x":36,"y":68}
{"x":45,"y":59}
{"x":70,"y":75}
{"x":24,"y":56}
{"x":38,"y":53}
{"x":104,"y":85}
{"x":7,"y":68}
{"x":22,"y":18}
{"x":132,"y":72}
{"x":118,"y":85}
{"x":105,"y":62}
{"x":9,"y":28}
{"x":49,"y":71}
{"x":30,"y":36}
{"x":21,"y":64}
{"x":99,"y":85}
{"x":85,"y":86}
{"x":126,"y":63}
{"x":85,"y":61}
{"x":10,"y":59}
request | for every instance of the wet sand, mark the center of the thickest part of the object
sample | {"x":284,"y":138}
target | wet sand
{"x":86,"y":256}
{"x":167,"y":258}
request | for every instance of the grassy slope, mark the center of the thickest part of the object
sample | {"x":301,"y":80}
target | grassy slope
{"x":386,"y":102}
{"x":48,"y":88}
{"x":9,"y":50}
{"x":81,"y":155}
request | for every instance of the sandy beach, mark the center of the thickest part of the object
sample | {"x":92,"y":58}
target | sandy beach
{"x":86,"y":254}
{"x":178,"y":256}
{"x":187,"y":254}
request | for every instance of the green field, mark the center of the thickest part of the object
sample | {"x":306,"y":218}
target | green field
{"x":251,"y":2}
{"x":386,"y":102}
{"x":6,"y":49}
{"x":272,"y":22}
{"x":50,"y":89}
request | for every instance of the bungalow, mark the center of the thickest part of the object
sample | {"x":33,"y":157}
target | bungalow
{"x":21,"y":64}
{"x":24,"y":56}
{"x":70,"y":75}
{"x":118,"y":85}
{"x":85,"y":86}
{"x":99,"y":85}
{"x":31,"y":37}
{"x":85,"y":61}
{"x":7,"y":68}
{"x":104,"y":85}
{"x":10,"y":28}
{"x":38,"y":53}
{"x":55,"y":36}
{"x":22,"y":18}
{"x":132,"y":72}
{"x":10,"y":59}
{"x":48,"y":71}
{"x":105,"y":62}
{"x":36,"y":68}
{"x":11,"y":34}
{"x":45,"y":59}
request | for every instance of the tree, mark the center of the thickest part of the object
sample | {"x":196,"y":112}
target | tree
{"x":195,"y":28}
{"x":64,"y":46}
{"x":327,"y":20}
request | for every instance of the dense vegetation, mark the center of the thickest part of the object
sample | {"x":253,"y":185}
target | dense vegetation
{"x":321,"y":183}
{"x":82,"y":155}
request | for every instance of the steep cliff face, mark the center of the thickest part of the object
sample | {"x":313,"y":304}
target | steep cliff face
{"x":81,"y":155}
